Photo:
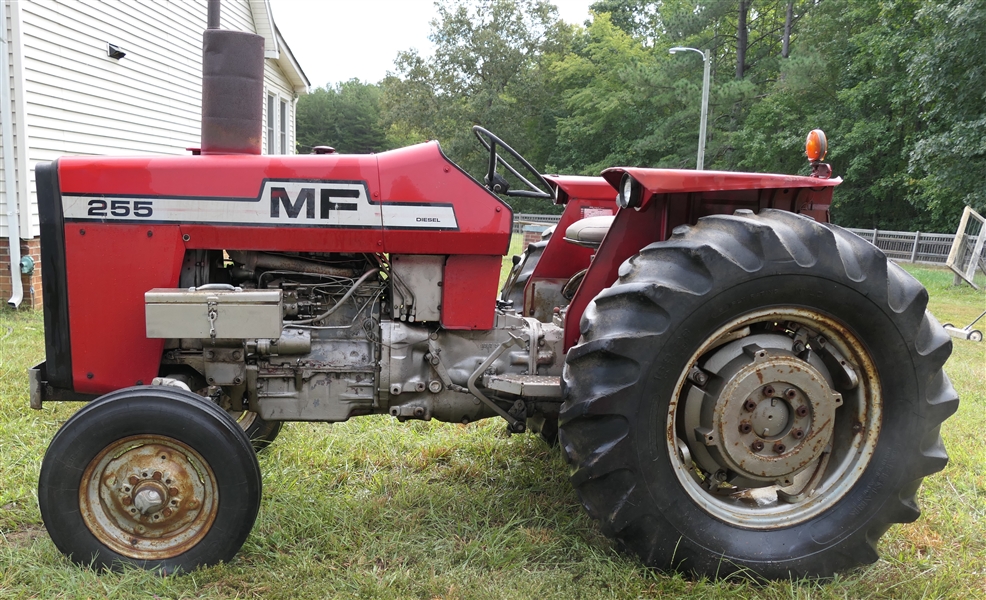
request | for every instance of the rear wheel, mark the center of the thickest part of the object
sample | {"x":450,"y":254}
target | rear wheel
{"x":152,"y":477}
{"x":262,"y":433}
{"x":758,"y":393}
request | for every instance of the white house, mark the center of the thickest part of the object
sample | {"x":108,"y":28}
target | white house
{"x":112,"y":77}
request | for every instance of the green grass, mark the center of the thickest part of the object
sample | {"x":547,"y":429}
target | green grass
{"x":374,"y":508}
{"x":516,"y":247}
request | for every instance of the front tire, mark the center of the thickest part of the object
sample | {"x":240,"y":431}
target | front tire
{"x":151,"y":477}
{"x":758,"y":393}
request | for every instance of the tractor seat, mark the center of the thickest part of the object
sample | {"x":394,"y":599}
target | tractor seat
{"x":590,"y":231}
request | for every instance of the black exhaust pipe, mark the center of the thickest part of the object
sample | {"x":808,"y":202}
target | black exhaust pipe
{"x":232,"y":89}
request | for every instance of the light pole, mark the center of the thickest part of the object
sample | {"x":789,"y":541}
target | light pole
{"x":705,"y":103}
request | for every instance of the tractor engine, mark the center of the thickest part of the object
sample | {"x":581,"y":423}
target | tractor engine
{"x":323,"y":337}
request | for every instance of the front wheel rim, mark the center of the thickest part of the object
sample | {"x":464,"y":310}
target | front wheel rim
{"x":795,"y":368}
{"x":149,"y":497}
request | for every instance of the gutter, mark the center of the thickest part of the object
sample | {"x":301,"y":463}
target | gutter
{"x":9,"y":169}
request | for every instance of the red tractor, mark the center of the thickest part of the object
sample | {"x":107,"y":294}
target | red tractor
{"x":736,"y":383}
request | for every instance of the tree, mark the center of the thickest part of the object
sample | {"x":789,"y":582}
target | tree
{"x":637,"y":18}
{"x":847,"y":75}
{"x":898,"y":86}
{"x":345,"y":116}
{"x":598,"y":88}
{"x":949,"y":158}
{"x":489,"y":69}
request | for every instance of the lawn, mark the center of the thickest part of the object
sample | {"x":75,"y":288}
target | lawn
{"x":375,"y":508}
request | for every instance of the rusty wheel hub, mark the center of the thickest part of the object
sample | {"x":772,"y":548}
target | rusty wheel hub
{"x":773,"y":415}
{"x":148,"y":497}
{"x":776,"y":417}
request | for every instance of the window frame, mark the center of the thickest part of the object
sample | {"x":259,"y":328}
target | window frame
{"x":271,"y":122}
{"x":283,"y":125}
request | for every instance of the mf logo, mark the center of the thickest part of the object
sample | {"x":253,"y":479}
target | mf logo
{"x":305,"y":201}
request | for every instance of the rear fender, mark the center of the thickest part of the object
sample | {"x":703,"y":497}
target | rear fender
{"x":671,"y":197}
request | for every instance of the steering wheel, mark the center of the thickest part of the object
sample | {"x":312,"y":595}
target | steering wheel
{"x":496,"y":183}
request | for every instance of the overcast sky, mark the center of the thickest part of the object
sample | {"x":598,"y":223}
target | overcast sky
{"x":338,"y":40}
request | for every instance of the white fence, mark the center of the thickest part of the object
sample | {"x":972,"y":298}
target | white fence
{"x":902,"y":246}
{"x":910,"y":246}
{"x":525,"y":219}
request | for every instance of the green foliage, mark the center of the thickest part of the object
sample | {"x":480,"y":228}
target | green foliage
{"x":899,"y":86}
{"x":949,"y":160}
{"x":489,"y":69}
{"x":845,"y":77}
{"x":345,"y":116}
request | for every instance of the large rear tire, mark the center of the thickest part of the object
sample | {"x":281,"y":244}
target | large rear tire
{"x":152,"y":477}
{"x":758,"y":393}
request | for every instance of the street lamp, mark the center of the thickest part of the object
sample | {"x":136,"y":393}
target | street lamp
{"x":705,"y":103}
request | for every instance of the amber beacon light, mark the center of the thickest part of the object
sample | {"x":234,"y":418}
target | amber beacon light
{"x":816,"y":146}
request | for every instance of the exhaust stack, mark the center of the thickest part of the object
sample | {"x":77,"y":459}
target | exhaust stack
{"x":232,"y":89}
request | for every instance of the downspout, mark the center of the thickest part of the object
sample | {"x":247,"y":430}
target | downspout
{"x":9,"y":170}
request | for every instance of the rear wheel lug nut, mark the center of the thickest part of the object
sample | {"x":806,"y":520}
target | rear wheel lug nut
{"x":757,"y":446}
{"x":779,"y":447}
{"x":750,"y":406}
{"x":745,"y":427}
{"x":768,"y":390}
{"x":790,"y":393}
{"x":801,"y":411}
{"x":798,"y":433}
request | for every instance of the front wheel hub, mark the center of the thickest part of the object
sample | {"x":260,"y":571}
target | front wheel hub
{"x":149,"y":497}
{"x":772,"y":414}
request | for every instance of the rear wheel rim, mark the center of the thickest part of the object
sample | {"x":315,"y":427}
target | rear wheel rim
{"x":827,"y":410}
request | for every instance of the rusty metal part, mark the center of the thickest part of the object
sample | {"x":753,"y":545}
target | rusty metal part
{"x":514,"y":425}
{"x":793,"y":418}
{"x":744,"y":366}
{"x":149,"y":497}
{"x":697,"y":377}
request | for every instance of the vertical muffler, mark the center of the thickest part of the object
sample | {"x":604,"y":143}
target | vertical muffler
{"x":232,"y":89}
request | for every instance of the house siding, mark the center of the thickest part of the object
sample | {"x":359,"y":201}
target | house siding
{"x":79,"y":101}
{"x":4,"y":124}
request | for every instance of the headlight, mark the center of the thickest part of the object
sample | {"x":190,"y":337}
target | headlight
{"x":629,"y":196}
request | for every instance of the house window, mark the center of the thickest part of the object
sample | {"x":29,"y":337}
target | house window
{"x":271,"y":133}
{"x":284,"y":127}
{"x":277,"y":124}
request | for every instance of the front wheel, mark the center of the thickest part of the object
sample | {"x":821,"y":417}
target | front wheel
{"x":758,"y":393}
{"x":151,"y":477}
